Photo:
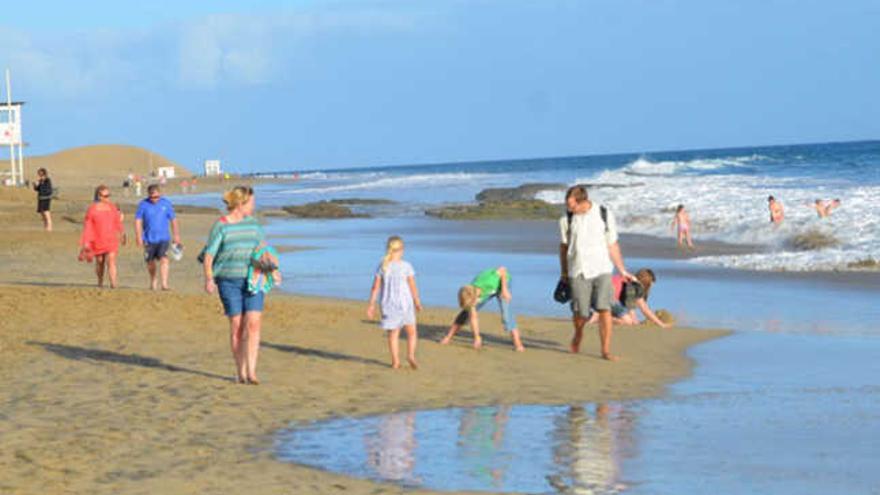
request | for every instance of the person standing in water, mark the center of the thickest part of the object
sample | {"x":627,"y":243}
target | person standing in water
{"x":824,"y":208}
{"x":777,"y":212}
{"x":682,"y":223}
{"x":396,"y":280}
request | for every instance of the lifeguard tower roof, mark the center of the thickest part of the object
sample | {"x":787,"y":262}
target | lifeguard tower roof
{"x":14,"y":103}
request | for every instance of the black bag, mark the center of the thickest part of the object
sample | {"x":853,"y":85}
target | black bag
{"x":562,"y":293}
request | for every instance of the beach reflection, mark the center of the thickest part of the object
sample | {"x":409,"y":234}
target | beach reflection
{"x":589,"y":449}
{"x":537,"y":449}
{"x":391,"y":449}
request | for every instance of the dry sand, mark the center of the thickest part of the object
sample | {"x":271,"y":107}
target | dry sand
{"x":130,"y":391}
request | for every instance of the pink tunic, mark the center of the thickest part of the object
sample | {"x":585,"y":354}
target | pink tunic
{"x":101,"y":228}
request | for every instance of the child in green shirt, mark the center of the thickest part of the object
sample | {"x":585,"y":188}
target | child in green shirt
{"x":488,"y":284}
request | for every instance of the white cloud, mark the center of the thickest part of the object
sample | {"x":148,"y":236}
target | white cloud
{"x":215,"y":50}
{"x":246,"y":49}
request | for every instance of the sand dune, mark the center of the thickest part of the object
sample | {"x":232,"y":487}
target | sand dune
{"x":107,"y":163}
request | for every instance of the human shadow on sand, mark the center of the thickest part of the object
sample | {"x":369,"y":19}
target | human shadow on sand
{"x":82,"y":354}
{"x":337,"y":356}
{"x":437,"y":332}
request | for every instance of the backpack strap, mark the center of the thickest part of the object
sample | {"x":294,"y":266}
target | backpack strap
{"x":603,"y":212}
{"x":569,"y":215}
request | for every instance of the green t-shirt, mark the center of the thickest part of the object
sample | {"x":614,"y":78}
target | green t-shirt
{"x":232,"y":245}
{"x":489,"y":283}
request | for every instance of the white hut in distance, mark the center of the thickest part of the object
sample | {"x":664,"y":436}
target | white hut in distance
{"x":212,"y":167}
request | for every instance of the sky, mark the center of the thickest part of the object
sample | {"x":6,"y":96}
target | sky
{"x":297,"y":85}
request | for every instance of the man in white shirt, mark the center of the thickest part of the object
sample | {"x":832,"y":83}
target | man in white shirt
{"x":587,"y":255}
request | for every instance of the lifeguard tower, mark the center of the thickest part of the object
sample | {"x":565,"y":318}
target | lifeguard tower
{"x":10,"y":135}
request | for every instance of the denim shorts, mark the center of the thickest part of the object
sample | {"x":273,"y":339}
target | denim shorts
{"x":235,"y":296}
{"x":155,"y":251}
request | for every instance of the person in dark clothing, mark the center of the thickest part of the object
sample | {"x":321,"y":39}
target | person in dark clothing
{"x":43,"y":186}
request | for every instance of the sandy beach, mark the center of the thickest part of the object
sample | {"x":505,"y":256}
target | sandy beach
{"x":130,"y":391}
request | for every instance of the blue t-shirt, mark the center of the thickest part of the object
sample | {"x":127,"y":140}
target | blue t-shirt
{"x":157,"y":219}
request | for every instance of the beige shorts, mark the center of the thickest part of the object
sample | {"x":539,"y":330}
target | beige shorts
{"x":586,"y":293}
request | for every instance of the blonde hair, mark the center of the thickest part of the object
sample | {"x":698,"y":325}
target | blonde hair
{"x":467,"y":297}
{"x":394,"y":243}
{"x":237,"y":196}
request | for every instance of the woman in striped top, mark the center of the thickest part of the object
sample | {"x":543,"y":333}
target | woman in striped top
{"x":231,"y":243}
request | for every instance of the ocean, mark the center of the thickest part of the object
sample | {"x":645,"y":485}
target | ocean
{"x":790,"y":403}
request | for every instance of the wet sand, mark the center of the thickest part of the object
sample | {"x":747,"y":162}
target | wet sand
{"x":130,"y":391}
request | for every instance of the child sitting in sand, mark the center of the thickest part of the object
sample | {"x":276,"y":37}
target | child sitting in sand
{"x":627,"y":296}
{"x":395,"y":279}
{"x":682,"y":222}
{"x":491,"y":283}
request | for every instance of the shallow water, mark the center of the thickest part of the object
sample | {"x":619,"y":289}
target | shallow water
{"x":783,"y":414}
{"x":349,"y":251}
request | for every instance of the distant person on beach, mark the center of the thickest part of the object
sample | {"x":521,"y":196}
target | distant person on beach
{"x":43,"y":186}
{"x":588,"y":253}
{"x":395,"y":280}
{"x":154,"y":224}
{"x":138,"y":186}
{"x":824,"y":208}
{"x":102,"y":231}
{"x":777,"y":212}
{"x":682,"y":223}
{"x":493,"y":283}
{"x":626,"y":296}
{"x":227,"y":257}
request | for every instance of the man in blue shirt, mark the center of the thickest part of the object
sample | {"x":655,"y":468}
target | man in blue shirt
{"x":154,"y":216}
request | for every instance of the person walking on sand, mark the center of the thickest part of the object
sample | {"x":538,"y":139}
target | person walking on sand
{"x":395,"y":280}
{"x":824,"y":208}
{"x":493,"y":283}
{"x":227,"y":257}
{"x":682,"y":223}
{"x":588,"y":253}
{"x":43,"y":186}
{"x":102,"y":230}
{"x":777,"y":212}
{"x":152,"y":220}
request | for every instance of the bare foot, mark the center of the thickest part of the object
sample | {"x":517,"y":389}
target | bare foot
{"x":478,"y":343}
{"x":253,"y":381}
{"x":413,"y":363}
{"x":609,"y":357}
{"x":445,"y":340}
{"x":575,"y":346}
{"x":166,"y":289}
{"x":395,"y":366}
{"x":520,"y":348}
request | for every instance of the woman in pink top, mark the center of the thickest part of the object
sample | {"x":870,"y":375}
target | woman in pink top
{"x":102,"y":229}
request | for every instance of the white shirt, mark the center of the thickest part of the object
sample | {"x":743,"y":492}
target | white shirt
{"x":588,"y":242}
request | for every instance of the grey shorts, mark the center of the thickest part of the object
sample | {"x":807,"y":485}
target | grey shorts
{"x":586,"y":293}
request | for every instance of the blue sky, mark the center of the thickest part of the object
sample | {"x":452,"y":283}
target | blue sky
{"x":301,"y":85}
